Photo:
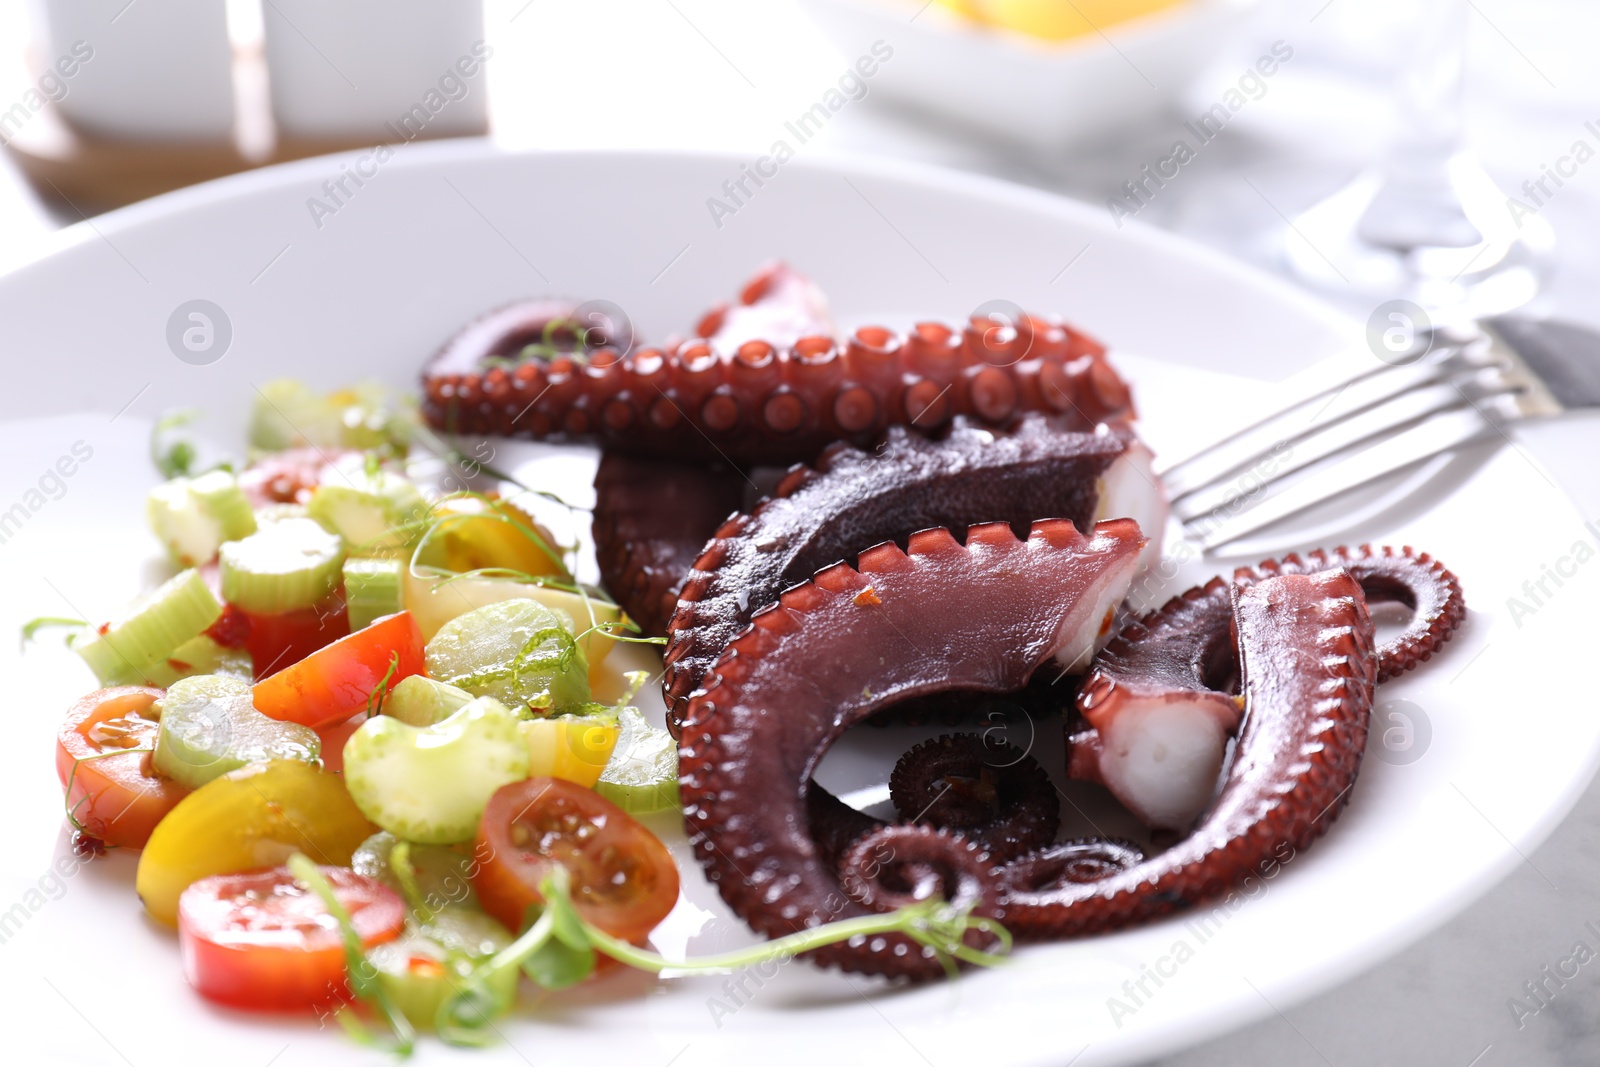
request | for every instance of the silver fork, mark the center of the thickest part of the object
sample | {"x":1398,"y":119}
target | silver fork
{"x":1343,"y":429}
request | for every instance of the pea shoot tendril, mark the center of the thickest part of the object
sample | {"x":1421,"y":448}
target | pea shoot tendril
{"x":559,"y":949}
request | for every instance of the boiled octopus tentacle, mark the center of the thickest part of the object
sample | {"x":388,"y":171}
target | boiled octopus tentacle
{"x":995,"y":795}
{"x":652,"y":518}
{"x":766,"y":402}
{"x":853,"y":498}
{"x":802,"y":674}
{"x":1308,"y":671}
{"x":1162,"y":699}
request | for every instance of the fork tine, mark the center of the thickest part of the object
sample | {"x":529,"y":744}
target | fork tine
{"x":1326,"y":441}
{"x":1422,"y":441}
{"x":1317,"y":404}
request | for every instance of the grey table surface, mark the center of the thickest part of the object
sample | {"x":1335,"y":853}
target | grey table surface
{"x":1532,"y":85}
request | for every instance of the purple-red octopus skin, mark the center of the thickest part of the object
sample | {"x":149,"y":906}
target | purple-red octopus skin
{"x":833,"y":651}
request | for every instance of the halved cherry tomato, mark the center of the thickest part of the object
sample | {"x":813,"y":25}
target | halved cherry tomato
{"x":115,"y":798}
{"x":262,"y":940}
{"x":623,"y":877}
{"x":257,"y":816}
{"x":278,"y":641}
{"x":334,"y":683}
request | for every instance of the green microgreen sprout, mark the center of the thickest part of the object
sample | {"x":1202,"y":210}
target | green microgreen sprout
{"x":453,"y":456}
{"x":406,"y":875}
{"x":380,"y":692}
{"x":559,"y":948}
{"x":31,"y":628}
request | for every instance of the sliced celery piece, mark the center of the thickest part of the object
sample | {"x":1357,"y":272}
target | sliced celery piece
{"x":419,"y":701}
{"x":123,"y":651}
{"x":642,"y":776}
{"x":432,"y":784}
{"x":290,"y":414}
{"x":194,"y":516}
{"x":517,"y":651}
{"x":371,"y":589}
{"x":287,"y":565}
{"x":210,"y":726}
{"x":202,"y":656}
{"x":377,"y":512}
{"x":276,"y":513}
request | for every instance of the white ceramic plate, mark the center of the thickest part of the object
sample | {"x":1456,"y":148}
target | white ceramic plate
{"x":448,"y":230}
{"x":1046,"y":94}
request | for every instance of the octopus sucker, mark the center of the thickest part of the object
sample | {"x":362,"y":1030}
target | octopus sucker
{"x":800,"y":675}
{"x":1162,"y":700}
{"x":852,"y":499}
{"x":1308,"y":670}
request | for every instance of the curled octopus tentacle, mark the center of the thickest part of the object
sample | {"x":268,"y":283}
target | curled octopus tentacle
{"x":995,"y":795}
{"x":768,"y":713}
{"x":652,"y":518}
{"x":1308,"y":672}
{"x":894,"y":866}
{"x":1163,"y":698}
{"x":767,"y":401}
{"x":853,"y":499}
{"x":1389,"y":575}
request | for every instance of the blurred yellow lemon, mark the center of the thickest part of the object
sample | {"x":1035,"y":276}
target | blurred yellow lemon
{"x":1057,"y":20}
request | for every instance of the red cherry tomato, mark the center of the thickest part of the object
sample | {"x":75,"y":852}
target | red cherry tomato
{"x":279,"y":641}
{"x":261,"y":940}
{"x":116,"y":798}
{"x":623,"y":877}
{"x":334,"y":683}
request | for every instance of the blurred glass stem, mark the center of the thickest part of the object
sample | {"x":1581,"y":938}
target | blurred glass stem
{"x":1426,"y":223}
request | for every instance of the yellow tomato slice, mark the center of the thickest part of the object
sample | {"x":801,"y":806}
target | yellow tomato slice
{"x":572,"y":747}
{"x":254,"y":817}
{"x":472,"y":532}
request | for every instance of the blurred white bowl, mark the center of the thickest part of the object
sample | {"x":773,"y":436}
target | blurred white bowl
{"x":161,"y":71}
{"x":389,"y":70}
{"x":1041,"y":93}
